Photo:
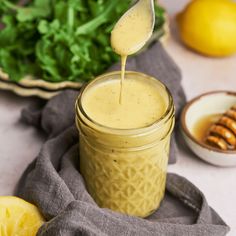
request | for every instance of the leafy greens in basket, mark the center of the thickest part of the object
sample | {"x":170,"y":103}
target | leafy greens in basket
{"x":59,"y":40}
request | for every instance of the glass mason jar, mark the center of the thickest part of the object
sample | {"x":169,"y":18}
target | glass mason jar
{"x":125,"y":169}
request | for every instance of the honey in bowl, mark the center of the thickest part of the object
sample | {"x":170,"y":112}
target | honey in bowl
{"x":217,"y":130}
{"x":201,"y":127}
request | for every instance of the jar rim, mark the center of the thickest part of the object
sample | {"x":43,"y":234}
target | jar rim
{"x":121,"y":131}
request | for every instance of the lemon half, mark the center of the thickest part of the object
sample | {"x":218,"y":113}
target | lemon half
{"x":209,"y":26}
{"x":18,"y":217}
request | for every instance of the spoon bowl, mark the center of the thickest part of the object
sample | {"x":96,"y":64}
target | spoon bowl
{"x":134,"y":28}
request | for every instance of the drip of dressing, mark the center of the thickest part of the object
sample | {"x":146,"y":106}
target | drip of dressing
{"x":131,"y":33}
{"x":123,"y":63}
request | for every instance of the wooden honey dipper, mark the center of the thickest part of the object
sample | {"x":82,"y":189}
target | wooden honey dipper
{"x":222,"y":134}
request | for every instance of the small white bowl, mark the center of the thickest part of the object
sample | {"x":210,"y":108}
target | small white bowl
{"x":209,"y":103}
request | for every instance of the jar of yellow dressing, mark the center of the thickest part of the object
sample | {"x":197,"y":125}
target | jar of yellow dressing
{"x":124,"y":148}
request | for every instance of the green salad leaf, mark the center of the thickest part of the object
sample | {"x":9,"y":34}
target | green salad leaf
{"x":59,"y":40}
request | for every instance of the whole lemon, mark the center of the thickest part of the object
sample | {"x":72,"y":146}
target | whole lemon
{"x":209,"y":26}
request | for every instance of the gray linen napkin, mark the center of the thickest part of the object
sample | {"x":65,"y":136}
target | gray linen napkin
{"x":53,"y":182}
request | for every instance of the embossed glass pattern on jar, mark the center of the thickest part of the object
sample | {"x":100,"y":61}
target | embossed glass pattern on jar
{"x":125,"y":169}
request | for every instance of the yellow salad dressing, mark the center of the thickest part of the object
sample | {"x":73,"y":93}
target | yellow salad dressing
{"x":125,"y":126}
{"x":124,"y":147}
{"x":142,"y":104}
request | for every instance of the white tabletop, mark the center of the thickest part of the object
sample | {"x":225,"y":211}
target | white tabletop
{"x":19,"y":144}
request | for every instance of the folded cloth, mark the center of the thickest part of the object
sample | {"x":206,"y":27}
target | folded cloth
{"x":54,"y":184}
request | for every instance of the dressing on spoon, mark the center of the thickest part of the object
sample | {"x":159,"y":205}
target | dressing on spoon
{"x":131,"y":33}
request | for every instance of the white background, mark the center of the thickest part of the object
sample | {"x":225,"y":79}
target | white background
{"x":19,"y":144}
